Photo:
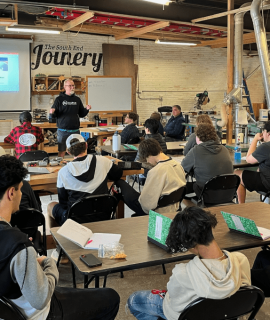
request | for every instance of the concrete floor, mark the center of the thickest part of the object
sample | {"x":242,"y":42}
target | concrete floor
{"x":147,"y":278}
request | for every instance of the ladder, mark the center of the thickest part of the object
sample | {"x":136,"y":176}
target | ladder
{"x":247,"y":96}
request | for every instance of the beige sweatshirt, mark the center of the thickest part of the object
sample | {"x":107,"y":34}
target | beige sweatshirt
{"x":206,"y":278}
{"x":166,"y":177}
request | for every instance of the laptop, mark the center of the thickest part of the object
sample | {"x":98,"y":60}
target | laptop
{"x":245,"y":225}
{"x":37,"y":170}
{"x":158,"y":229}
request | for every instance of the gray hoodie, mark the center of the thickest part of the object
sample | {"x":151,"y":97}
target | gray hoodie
{"x":206,"y":278}
{"x":207,"y":160}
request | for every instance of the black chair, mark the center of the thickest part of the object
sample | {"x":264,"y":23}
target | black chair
{"x":220,"y":190}
{"x":28,"y":221}
{"x":91,"y":209}
{"x":174,"y":197}
{"x":37,"y":155}
{"x":264,"y":195}
{"x":9,"y":311}
{"x":139,"y":180}
{"x":246,"y":300}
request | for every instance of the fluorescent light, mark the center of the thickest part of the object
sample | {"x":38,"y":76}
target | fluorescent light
{"x":164,"y":2}
{"x":33,"y":29}
{"x":180,"y":43}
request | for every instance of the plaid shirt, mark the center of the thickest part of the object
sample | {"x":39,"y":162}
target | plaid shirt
{"x":25,"y":137}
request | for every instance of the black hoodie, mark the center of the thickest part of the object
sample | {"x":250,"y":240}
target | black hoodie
{"x":68,"y":111}
{"x":12,"y":240}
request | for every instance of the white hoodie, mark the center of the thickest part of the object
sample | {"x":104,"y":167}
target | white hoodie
{"x":206,"y":278}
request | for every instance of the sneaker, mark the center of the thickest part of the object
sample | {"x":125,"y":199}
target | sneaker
{"x":55,"y":255}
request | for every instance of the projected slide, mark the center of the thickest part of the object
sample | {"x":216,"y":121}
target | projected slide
{"x":9,"y":72}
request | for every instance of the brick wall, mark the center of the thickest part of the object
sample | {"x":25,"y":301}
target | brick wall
{"x":174,"y":73}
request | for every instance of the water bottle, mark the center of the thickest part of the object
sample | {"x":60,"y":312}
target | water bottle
{"x":116,"y":141}
{"x":237,"y":152}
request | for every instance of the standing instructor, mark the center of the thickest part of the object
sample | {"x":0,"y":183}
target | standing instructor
{"x":67,"y":109}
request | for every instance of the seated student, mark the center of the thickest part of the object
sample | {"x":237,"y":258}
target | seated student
{"x":29,"y":199}
{"x":251,"y":180}
{"x":30,"y":281}
{"x":207,"y":159}
{"x":25,"y":137}
{"x":213,"y":273}
{"x":85,"y":175}
{"x":174,"y":129}
{"x":156,"y":115}
{"x":260,"y":272}
{"x":166,"y":177}
{"x":151,"y":130}
{"x":203,"y":118}
{"x":130,"y":131}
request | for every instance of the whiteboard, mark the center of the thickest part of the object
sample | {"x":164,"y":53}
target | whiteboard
{"x":109,"y":93}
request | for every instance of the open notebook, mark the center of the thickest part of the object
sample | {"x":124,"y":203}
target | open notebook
{"x":245,"y":225}
{"x":84,"y":237}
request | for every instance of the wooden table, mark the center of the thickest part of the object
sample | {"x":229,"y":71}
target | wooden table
{"x":48,"y":182}
{"x":141,"y":253}
{"x":95,"y":132}
{"x":48,"y":125}
{"x":176,"y":145}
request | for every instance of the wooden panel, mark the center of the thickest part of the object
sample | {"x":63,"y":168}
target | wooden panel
{"x":230,"y":62}
{"x":118,"y":60}
{"x":256,"y":108}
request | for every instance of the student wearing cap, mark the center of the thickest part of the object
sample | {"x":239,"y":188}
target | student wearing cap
{"x":86,"y":175}
{"x":25,"y":137}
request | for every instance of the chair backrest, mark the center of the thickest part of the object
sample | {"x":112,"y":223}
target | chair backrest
{"x":174,"y":197}
{"x":28,"y":220}
{"x":220,"y":189}
{"x":9,"y":311}
{"x":246,"y":300}
{"x":37,"y":155}
{"x":93,"y":208}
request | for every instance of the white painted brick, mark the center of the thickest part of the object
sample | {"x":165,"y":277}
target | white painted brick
{"x":161,"y":68}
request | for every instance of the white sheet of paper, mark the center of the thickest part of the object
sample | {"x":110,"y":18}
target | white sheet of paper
{"x":158,"y":227}
{"x":238,"y":223}
{"x":102,"y":238}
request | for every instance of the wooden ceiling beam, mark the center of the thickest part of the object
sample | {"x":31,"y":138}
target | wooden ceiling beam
{"x":81,"y":19}
{"x":143,"y":30}
{"x":117,"y":30}
{"x":226,"y":13}
{"x":247,"y":38}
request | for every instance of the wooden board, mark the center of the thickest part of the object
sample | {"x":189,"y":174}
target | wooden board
{"x":109,"y":93}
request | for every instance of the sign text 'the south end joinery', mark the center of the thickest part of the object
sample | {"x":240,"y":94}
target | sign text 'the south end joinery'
{"x":61,"y":55}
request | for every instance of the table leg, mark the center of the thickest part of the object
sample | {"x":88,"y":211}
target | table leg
{"x":99,"y":141}
{"x":120,"y":211}
{"x":85,"y":281}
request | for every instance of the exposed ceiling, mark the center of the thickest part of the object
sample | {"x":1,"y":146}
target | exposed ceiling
{"x":123,"y":18}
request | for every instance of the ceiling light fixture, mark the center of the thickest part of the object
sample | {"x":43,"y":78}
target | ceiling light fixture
{"x":180,"y":43}
{"x":33,"y":29}
{"x":163,"y":2}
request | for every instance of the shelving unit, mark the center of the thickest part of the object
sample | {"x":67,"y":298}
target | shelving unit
{"x":48,"y":81}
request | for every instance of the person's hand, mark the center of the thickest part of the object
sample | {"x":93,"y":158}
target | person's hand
{"x":88,"y":107}
{"x":40,"y":259}
{"x":52,"y":110}
{"x":258,"y":136}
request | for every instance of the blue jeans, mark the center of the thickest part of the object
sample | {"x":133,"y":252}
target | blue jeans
{"x":145,"y":305}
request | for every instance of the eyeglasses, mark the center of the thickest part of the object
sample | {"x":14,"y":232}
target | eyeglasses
{"x":69,"y":85}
